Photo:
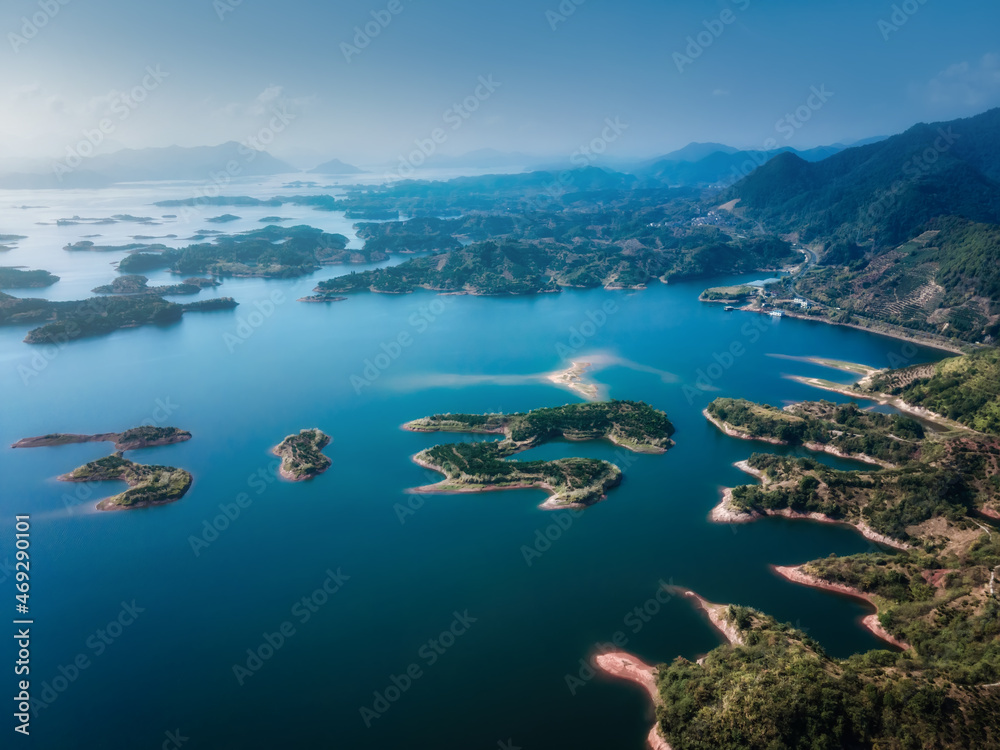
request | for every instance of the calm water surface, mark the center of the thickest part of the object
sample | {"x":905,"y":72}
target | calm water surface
{"x":242,"y":380}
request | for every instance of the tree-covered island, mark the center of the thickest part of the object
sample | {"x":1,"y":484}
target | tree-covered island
{"x":572,"y":482}
{"x":301,"y":455}
{"x":148,"y":485}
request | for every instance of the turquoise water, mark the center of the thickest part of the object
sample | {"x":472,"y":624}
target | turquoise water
{"x":410,"y":562}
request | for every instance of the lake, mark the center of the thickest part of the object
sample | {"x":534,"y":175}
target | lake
{"x":454,"y":621}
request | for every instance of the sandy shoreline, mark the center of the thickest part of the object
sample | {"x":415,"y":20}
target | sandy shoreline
{"x":574,"y":380}
{"x":871,"y":622}
{"x":899,"y":335}
{"x":444,"y":487}
{"x":734,"y":433}
{"x":726,"y":512}
{"x":624,"y":666}
{"x":884,"y":399}
{"x":716,"y":614}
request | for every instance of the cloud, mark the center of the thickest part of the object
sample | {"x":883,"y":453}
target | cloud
{"x":970,"y":84}
{"x":720,"y":92}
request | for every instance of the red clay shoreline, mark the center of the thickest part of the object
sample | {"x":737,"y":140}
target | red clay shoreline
{"x":795,"y":574}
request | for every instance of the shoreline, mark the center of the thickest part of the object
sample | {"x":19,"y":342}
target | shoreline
{"x":623,"y":666}
{"x":572,"y":378}
{"x":727,"y":513}
{"x":732,"y":432}
{"x":444,"y":487}
{"x":795,"y":574}
{"x":885,"y":399}
{"x":716,"y":616}
{"x":900,"y":335}
{"x":814,"y":447}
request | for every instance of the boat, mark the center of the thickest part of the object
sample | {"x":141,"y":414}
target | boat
{"x":729,"y":308}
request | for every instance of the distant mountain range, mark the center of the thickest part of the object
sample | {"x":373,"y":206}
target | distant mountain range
{"x":335,"y":167}
{"x":708,"y":164}
{"x":883,"y":191}
{"x":148,"y":164}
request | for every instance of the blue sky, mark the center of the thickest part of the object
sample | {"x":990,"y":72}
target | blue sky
{"x":561,"y":69}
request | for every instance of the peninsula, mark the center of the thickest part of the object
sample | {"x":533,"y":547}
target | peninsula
{"x":148,"y":485}
{"x":572,"y":482}
{"x":301,"y":455}
{"x":934,"y":597}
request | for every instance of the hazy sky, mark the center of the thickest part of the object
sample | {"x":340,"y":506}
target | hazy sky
{"x":230,"y":64}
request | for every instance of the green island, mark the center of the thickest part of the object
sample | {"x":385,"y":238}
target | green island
{"x":134,"y":284}
{"x":60,"y":322}
{"x":269,"y":252}
{"x":301,"y":455}
{"x":936,"y":596}
{"x":16,"y":278}
{"x":129,"y":440}
{"x":572,"y":482}
{"x":497,"y":268}
{"x":148,"y":485}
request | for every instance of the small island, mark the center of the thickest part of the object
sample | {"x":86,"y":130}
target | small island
{"x":129,"y":440}
{"x":135,"y":284}
{"x":301,"y":455}
{"x":17,"y":278}
{"x":148,"y":485}
{"x":571,"y":482}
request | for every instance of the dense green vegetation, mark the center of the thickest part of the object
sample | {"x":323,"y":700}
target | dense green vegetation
{"x":148,"y":485}
{"x":483,"y":465}
{"x":67,"y":321}
{"x":271,"y":252}
{"x":946,"y":280}
{"x":139,"y":285}
{"x":16,"y":278}
{"x":531,"y":267}
{"x":302,"y":456}
{"x":470,"y":466}
{"x":890,"y":438}
{"x":780,"y":691}
{"x":966,"y":389}
{"x":633,"y":424}
{"x":886,"y":191}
